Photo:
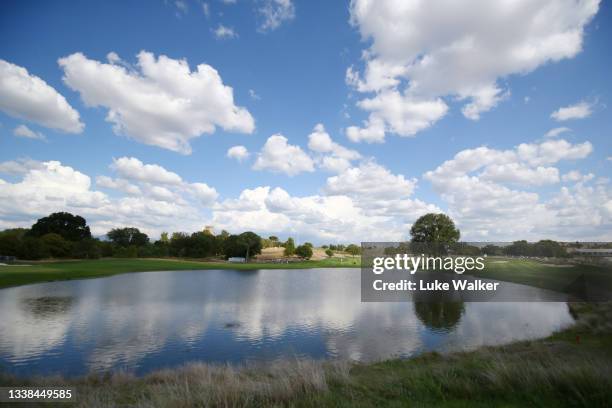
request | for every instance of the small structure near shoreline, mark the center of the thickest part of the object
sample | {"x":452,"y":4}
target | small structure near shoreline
{"x":236,"y":259}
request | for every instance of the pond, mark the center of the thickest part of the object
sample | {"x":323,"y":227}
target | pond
{"x":145,"y":321}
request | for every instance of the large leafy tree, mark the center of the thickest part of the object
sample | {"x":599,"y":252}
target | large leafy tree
{"x":68,"y":226}
{"x":125,"y":237}
{"x":304,"y":251}
{"x":244,"y":245}
{"x":435,"y":228}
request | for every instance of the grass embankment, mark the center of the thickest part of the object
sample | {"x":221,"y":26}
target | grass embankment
{"x":544,"y":275}
{"x":527,"y":272}
{"x":67,"y":270}
{"x":570,"y":368}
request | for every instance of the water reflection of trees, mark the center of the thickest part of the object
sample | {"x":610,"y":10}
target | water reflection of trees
{"x":47,"y":306}
{"x":439,"y":315}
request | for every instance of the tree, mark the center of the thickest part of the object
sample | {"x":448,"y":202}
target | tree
{"x":353,"y":249}
{"x":179,"y":244}
{"x":32,"y":248}
{"x":435,"y":228}
{"x":201,"y":245}
{"x":309,"y":244}
{"x":57,"y":246}
{"x":289,"y":247}
{"x":273,"y":238}
{"x":244,"y":245}
{"x":10,"y":241}
{"x":304,"y":251}
{"x":125,"y":237}
{"x":70,"y":227}
{"x":329,"y":252}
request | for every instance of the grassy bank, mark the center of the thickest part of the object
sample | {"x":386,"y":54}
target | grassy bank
{"x":522,"y":271}
{"x":570,"y":368}
{"x":544,"y":275}
{"x":83,"y":269}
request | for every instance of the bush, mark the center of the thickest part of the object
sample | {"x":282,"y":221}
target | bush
{"x":304,"y":251}
{"x":329,"y":252}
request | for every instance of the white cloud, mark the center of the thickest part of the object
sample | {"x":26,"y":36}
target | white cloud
{"x":19,"y":166}
{"x":552,"y":151}
{"x":28,"y":97}
{"x":162,"y":102}
{"x":118,"y":184}
{"x":372,"y":132}
{"x":332,"y":156}
{"x":239,"y":153}
{"x":280,"y":157}
{"x":223,"y":32}
{"x":26,"y":132}
{"x":207,"y":195}
{"x":401,"y":114}
{"x":579,"y":110}
{"x":47,"y":187}
{"x":577,"y":176}
{"x":133,"y":169}
{"x":160,"y":183}
{"x":370,"y":182}
{"x":482,"y":189}
{"x":433,"y":49}
{"x":557,"y":131}
{"x":320,"y":218}
{"x":273,"y":13}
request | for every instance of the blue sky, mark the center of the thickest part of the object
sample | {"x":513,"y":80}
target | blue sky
{"x":286,"y":63}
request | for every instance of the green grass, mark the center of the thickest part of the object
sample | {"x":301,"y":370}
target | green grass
{"x":67,"y":270}
{"x":541,"y":275}
{"x":527,"y":272}
{"x":572,"y":368}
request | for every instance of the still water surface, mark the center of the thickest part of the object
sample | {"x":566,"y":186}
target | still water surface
{"x":145,"y":321}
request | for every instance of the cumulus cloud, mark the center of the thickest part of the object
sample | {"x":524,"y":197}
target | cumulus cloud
{"x":413,"y":62}
{"x":400,"y":114}
{"x":331,"y":155}
{"x":161,"y":102}
{"x":577,"y":176}
{"x":370,"y":182}
{"x":579,"y":110}
{"x":278,"y":156}
{"x":489,"y":194}
{"x":19,"y":166}
{"x":552,"y":151}
{"x":239,"y":153}
{"x":28,"y":97}
{"x":160,"y":183}
{"x":118,"y":184}
{"x":273,"y":13}
{"x":148,"y":203}
{"x":133,"y":169}
{"x":557,"y":131}
{"x":222,"y":32}
{"x":320,"y":218}
{"x":26,"y":132}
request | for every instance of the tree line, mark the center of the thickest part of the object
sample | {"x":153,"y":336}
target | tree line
{"x":64,"y":235}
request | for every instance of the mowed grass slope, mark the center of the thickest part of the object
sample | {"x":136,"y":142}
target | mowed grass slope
{"x":523,"y":271}
{"x":544,"y":275}
{"x":82,"y":269}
